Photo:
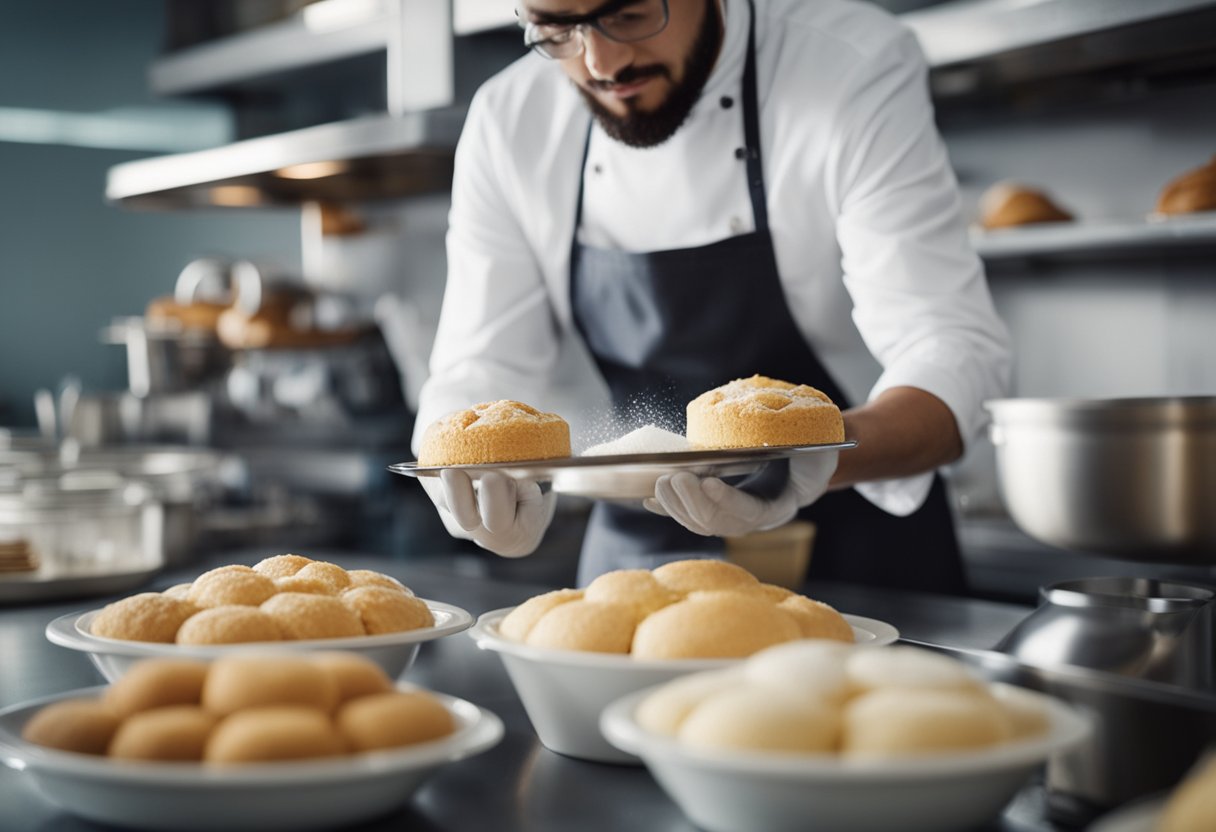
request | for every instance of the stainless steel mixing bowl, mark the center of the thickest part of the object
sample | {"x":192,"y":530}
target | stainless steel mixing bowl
{"x":1127,"y":478}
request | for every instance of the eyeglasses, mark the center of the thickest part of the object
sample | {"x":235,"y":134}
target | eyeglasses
{"x":624,"y":22}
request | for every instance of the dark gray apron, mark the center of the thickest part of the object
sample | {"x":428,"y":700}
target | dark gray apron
{"x":665,"y":326}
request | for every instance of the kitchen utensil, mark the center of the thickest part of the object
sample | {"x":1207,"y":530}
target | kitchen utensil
{"x":394,"y":652}
{"x":752,"y":791}
{"x":1127,"y":478}
{"x":564,"y":691}
{"x":1140,"y":627}
{"x":164,"y":357}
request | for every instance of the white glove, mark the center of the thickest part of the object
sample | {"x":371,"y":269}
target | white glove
{"x":509,"y":517}
{"x":708,"y":506}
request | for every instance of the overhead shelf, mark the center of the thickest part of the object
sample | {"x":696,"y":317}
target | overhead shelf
{"x":367,"y":158}
{"x":1181,"y":234}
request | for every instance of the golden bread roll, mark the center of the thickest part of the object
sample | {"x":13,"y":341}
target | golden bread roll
{"x":1008,"y":204}
{"x":148,"y":616}
{"x":309,"y":586}
{"x":179,"y":591}
{"x":637,"y":589}
{"x":813,"y":668}
{"x":85,"y":726}
{"x":389,"y":720}
{"x":387,"y":610}
{"x":230,"y":624}
{"x":281,"y":566}
{"x":1193,"y":191}
{"x":274,"y":733}
{"x":895,"y":722}
{"x":762,"y":719}
{"x":501,"y":431}
{"x":302,"y":616}
{"x":328,"y":573}
{"x":156,"y":683}
{"x":353,"y":675}
{"x":222,"y":588}
{"x":685,"y":576}
{"x":907,"y":667}
{"x":239,"y":682}
{"x":775,"y":593}
{"x":520,"y":621}
{"x":664,"y":710}
{"x":1192,"y":806}
{"x":585,"y":625}
{"x":367,"y":577}
{"x":174,"y":732}
{"x":199,"y":315}
{"x":816,"y":619}
{"x":718,"y":624}
{"x":760,"y":412}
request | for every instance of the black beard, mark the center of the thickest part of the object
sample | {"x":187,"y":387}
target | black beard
{"x":639,"y":128}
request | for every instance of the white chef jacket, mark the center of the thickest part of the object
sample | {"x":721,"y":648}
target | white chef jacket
{"x":863,"y":208}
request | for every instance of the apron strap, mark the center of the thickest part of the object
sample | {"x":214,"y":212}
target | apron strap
{"x":751,"y":129}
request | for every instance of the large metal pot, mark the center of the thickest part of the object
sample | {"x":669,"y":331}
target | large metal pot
{"x":1126,"y":478}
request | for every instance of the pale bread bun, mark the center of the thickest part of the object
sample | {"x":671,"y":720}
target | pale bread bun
{"x":907,"y":667}
{"x":390,"y":720}
{"x":281,"y":566}
{"x":308,"y":586}
{"x":353,"y":675}
{"x":303,"y":617}
{"x":281,"y":732}
{"x":775,"y":593}
{"x":229,"y":624}
{"x":366,"y":577}
{"x":895,"y":722}
{"x":85,"y":726}
{"x":718,"y":624}
{"x":816,"y":619}
{"x":1008,"y":204}
{"x":585,"y":625}
{"x":813,"y":668}
{"x":387,"y":610}
{"x":501,"y":431}
{"x":148,"y":616}
{"x":1192,"y":806}
{"x":1193,"y":191}
{"x":156,"y":683}
{"x":236,"y":683}
{"x":685,"y":576}
{"x":223,"y":587}
{"x":1027,"y":716}
{"x":179,"y":591}
{"x":175,"y":732}
{"x":637,"y":589}
{"x":665,"y":710}
{"x":330,"y":574}
{"x":762,"y":720}
{"x":519,"y":622}
{"x":199,"y":315}
{"x":760,"y":412}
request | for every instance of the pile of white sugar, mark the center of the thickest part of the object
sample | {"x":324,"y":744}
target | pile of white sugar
{"x":650,"y":439}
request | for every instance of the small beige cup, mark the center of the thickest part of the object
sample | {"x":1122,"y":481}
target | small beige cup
{"x":778,"y":556}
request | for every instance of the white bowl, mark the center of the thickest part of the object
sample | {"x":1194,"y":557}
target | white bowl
{"x":564,"y":691}
{"x":265,"y":797}
{"x":770,"y":792}
{"x":392,"y":651}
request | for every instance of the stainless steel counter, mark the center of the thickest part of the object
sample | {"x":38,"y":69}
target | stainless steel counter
{"x":519,"y":785}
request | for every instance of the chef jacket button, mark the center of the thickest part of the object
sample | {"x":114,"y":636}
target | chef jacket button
{"x":740,"y":152}
{"x":727,"y":102}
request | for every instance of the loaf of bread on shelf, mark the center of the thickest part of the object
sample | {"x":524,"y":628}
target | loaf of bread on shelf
{"x":1191,"y":192}
{"x":1009,"y":204}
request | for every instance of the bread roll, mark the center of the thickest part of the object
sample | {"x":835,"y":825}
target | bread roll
{"x":1193,"y":191}
{"x":1008,"y":204}
{"x":1192,"y":806}
{"x":685,"y":576}
{"x":230,"y":624}
{"x":275,"y":733}
{"x":896,"y":722}
{"x":281,"y":566}
{"x":816,"y":619}
{"x":238,"y":682}
{"x":148,"y":616}
{"x":175,"y":732}
{"x":519,"y":622}
{"x":231,"y":587}
{"x":762,"y":719}
{"x":156,"y":683}
{"x":353,"y":675}
{"x":760,"y":412}
{"x":637,"y":589}
{"x":500,"y":431}
{"x":907,"y":667}
{"x":812,"y":668}
{"x":585,"y":625}
{"x":302,"y":616}
{"x":389,"y":720}
{"x":85,"y":726}
{"x":328,"y":573}
{"x":720,"y":624}
{"x":664,"y":710}
{"x":366,"y":577}
{"x":387,"y":610}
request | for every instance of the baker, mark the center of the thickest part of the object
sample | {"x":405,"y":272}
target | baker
{"x":683,"y":192}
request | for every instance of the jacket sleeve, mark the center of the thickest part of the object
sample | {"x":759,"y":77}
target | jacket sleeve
{"x":921,"y":301}
{"x":496,"y":336}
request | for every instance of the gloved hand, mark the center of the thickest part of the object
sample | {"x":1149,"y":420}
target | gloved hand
{"x":708,"y":506}
{"x":507,"y":516}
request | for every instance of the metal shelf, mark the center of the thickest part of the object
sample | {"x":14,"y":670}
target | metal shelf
{"x":1176,"y":234}
{"x":367,"y":158}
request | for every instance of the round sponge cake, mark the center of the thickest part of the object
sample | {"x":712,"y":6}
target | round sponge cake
{"x":501,"y":431}
{"x":760,"y":411}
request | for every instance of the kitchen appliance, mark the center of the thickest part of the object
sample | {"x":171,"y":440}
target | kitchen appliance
{"x":1133,"y":479}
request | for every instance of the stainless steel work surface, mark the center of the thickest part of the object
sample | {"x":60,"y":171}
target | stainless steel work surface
{"x":519,"y":785}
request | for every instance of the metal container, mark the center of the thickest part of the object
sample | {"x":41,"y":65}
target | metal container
{"x":162,"y":358}
{"x":1126,"y":478}
{"x":1138,"y":627}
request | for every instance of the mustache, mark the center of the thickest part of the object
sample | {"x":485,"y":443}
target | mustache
{"x":628,"y":75}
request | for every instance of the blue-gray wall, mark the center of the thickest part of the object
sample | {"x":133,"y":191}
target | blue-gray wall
{"x":69,"y":262}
